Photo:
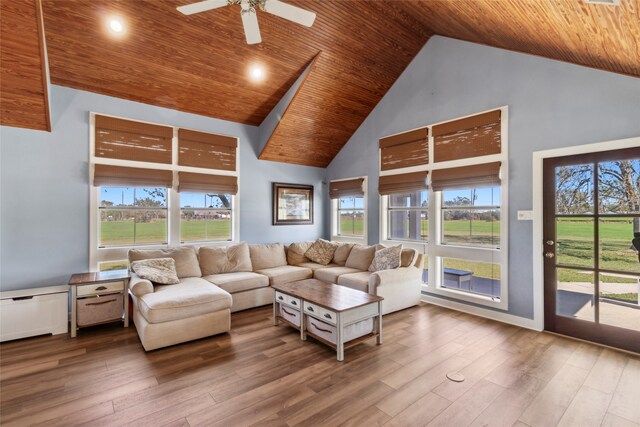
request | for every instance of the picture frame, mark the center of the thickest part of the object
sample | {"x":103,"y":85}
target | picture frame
{"x":292,"y":204}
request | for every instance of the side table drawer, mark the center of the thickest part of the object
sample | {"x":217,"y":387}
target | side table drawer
{"x":100,"y":309}
{"x":100,"y":288}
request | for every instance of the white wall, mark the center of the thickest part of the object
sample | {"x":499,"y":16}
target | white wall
{"x":551,"y":104}
{"x":44,"y":187}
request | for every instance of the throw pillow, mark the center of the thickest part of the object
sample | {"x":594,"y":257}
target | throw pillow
{"x":230,"y":259}
{"x":321,"y":251}
{"x":360,"y":257}
{"x":342,"y":253}
{"x":386,"y":259}
{"x":295,"y":254}
{"x":185,"y":257}
{"x":157,"y":270}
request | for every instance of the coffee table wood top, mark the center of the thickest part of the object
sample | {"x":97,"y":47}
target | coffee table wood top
{"x":333,"y":297}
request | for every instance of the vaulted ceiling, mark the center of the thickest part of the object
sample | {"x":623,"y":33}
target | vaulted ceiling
{"x":200,"y":63}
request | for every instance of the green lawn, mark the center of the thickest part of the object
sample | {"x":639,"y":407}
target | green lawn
{"x":121,"y":232}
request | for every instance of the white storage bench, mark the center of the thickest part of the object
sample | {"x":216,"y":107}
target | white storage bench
{"x":30,"y":312}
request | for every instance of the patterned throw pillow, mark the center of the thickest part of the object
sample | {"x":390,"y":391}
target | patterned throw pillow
{"x":386,"y":259}
{"x":321,"y":251}
{"x":157,"y":270}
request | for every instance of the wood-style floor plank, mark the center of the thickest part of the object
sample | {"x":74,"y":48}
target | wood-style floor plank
{"x":265,"y":376}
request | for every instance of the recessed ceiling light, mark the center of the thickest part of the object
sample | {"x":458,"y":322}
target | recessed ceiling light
{"x":607,"y":2}
{"x":116,"y":26}
{"x":256,"y":72}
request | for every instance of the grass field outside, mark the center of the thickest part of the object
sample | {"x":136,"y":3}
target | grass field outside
{"x":114,"y":233}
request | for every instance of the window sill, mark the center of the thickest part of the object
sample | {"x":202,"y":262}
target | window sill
{"x":467,"y":297}
{"x":350,"y":239}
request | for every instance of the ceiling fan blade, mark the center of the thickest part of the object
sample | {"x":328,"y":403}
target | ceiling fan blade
{"x":292,"y":13}
{"x":251,"y":28}
{"x":202,"y":6}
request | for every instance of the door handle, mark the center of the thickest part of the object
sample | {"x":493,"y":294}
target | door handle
{"x":549,"y":255}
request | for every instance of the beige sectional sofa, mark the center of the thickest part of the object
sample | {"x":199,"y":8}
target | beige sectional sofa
{"x":214,"y":282}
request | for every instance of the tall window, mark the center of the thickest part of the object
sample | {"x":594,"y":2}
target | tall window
{"x":459,"y":219}
{"x":132,"y":216}
{"x":351,"y":216}
{"x":206,"y":217}
{"x":349,"y":209}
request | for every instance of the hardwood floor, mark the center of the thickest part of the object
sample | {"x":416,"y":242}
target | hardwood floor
{"x":264,"y":375}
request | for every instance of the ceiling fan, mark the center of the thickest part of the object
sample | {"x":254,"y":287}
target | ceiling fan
{"x":249,"y":15}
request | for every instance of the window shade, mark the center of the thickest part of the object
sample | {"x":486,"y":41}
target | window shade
{"x":129,"y":140}
{"x":120,"y":176}
{"x":206,"y":150}
{"x":470,"y":137}
{"x":351,"y":187}
{"x":402,"y":183}
{"x":405,"y":150}
{"x":203,"y":183}
{"x":482,"y":175}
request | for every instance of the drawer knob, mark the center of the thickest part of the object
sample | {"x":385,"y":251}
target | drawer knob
{"x":327,"y":315}
{"x":310,"y":309}
{"x":280,"y":298}
{"x":101,"y":288}
{"x":294,"y":303}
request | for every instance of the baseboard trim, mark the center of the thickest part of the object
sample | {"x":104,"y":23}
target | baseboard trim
{"x":482,"y":312}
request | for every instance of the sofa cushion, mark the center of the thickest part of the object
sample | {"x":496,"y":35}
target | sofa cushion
{"x":156,"y":270}
{"x":230,"y":259}
{"x":267,"y":256}
{"x":313,"y":266}
{"x":295,"y":253}
{"x":407,"y":257}
{"x":331,"y":275}
{"x":360,"y":257}
{"x":321,"y":251}
{"x":359,"y":281}
{"x":342,"y":253}
{"x":285,"y":274}
{"x":191,"y":297}
{"x":185,"y":258}
{"x":386,"y":259}
{"x":238,"y":282}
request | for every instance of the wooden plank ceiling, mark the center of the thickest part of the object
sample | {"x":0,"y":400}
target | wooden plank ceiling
{"x":200,"y":63}
{"x":23,"y":80}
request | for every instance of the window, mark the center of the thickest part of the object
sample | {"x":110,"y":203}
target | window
{"x":351,"y":216}
{"x":206,"y":217}
{"x":471,"y":217}
{"x":349,"y":209}
{"x":459,"y":220}
{"x":132,"y":216}
{"x":408,"y":216}
{"x":158,"y":186}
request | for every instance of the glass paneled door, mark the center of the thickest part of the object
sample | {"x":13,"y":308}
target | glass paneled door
{"x":591,"y":247}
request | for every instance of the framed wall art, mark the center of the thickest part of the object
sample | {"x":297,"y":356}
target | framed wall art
{"x":292,"y":204}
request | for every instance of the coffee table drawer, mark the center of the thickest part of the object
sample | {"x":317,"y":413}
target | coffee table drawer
{"x":321,"y":312}
{"x":288,"y":300}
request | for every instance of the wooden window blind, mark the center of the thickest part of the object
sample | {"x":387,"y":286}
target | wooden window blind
{"x":206,"y":150}
{"x":351,"y":187}
{"x":469,"y":137}
{"x":402,"y":183}
{"x":203,"y":183}
{"x":130,"y":140}
{"x":405,"y":150}
{"x":120,"y":176}
{"x":482,"y":175}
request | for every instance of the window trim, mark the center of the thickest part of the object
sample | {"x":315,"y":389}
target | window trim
{"x":433,"y":247}
{"x":334,"y":216}
{"x":98,"y":255}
